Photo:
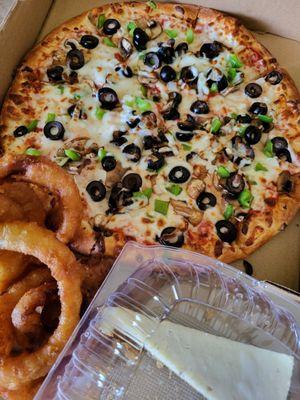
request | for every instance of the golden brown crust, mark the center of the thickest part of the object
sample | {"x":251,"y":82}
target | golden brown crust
{"x":133,"y":10}
{"x":232,"y":33}
{"x":262,"y":226}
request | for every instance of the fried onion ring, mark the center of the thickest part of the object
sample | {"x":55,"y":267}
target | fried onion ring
{"x":9,"y":210}
{"x":9,"y":300}
{"x":25,"y":316}
{"x":11,"y":267}
{"x":17,"y":202}
{"x":26,"y":392}
{"x":23,"y":195}
{"x":43,"y":172}
{"x":31,"y":239}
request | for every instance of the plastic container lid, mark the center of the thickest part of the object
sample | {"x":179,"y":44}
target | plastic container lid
{"x":163,"y":283}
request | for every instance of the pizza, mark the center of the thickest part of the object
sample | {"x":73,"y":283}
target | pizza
{"x":177,"y":126}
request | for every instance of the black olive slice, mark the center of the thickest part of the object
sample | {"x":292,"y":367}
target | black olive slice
{"x":132,"y":182}
{"x":181,"y":48}
{"x":284,"y":155}
{"x":133,"y":152}
{"x":244,"y":118}
{"x":152,"y":60}
{"x":167,"y":74}
{"x":140,"y":39}
{"x":235,"y":183}
{"x":179,"y":174}
{"x":175,"y":98}
{"x":189,"y":125}
{"x":252,"y":134}
{"x":119,"y":141}
{"x":253,"y":90}
{"x":108,"y":163}
{"x":279,"y":143}
{"x":70,"y":44}
{"x":211,"y":50}
{"x":184,"y":136}
{"x":258,"y":108}
{"x":274,"y":77}
{"x":155,"y":162}
{"x":89,"y":41}
{"x":133,"y":123}
{"x":266,"y":126}
{"x":190,"y":156}
{"x":171,"y":114}
{"x":55,"y":73}
{"x":200,"y":107}
{"x":127,"y":72}
{"x":189,"y":74}
{"x":73,"y":77}
{"x":206,"y":200}
{"x":216,"y":76}
{"x":71,"y":111}
{"x":20,"y":131}
{"x":150,"y":142}
{"x":226,"y":231}
{"x":171,"y":236}
{"x":54,"y":130}
{"x":111,"y":26}
{"x":108,"y":98}
{"x":118,"y":138}
{"x":75,"y":59}
{"x":96,"y":190}
{"x":166,"y":54}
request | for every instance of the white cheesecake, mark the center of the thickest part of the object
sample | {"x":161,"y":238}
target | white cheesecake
{"x":216,"y":367}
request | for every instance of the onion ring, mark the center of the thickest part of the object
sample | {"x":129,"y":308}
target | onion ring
{"x":23,"y":195}
{"x":9,"y":209}
{"x":8,"y":301}
{"x":17,"y":202}
{"x":26,"y":392}
{"x":43,"y":172}
{"x":87,"y":241}
{"x":24,"y":316}
{"x":11,"y":267}
{"x":31,"y":239}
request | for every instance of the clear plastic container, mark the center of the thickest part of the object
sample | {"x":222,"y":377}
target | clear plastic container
{"x":184,"y":287}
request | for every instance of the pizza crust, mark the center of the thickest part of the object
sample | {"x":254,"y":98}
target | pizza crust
{"x":232,"y":33}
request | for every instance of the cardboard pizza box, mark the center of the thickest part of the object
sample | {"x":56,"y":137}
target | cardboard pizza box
{"x":276,"y":26}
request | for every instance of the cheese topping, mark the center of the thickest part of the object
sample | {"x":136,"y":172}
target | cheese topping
{"x":176,"y":105}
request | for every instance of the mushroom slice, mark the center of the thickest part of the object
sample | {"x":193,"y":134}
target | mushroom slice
{"x":200,"y":171}
{"x":154,"y":29}
{"x":195,"y":187}
{"x":126,"y":47}
{"x":192,"y":215}
{"x":285,"y":183}
{"x":114,"y":176}
{"x":217,"y":182}
{"x":147,"y":78}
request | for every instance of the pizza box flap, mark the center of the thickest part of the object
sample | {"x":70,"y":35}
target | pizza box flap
{"x":279,"y":260}
{"x":20,"y":24}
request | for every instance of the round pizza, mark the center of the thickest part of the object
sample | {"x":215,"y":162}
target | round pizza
{"x":177,"y":126}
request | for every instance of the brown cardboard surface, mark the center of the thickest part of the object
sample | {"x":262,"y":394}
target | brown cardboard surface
{"x":278,"y":260}
{"x":18,"y":34}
